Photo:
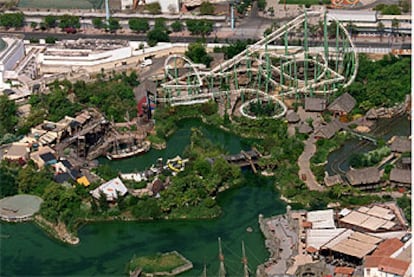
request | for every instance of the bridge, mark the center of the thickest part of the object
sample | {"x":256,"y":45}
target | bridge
{"x":245,"y":158}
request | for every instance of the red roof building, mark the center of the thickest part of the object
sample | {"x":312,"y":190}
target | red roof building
{"x":375,"y":265}
{"x":388,"y":247}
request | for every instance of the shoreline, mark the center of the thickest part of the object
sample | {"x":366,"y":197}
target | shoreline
{"x":61,"y":233}
{"x":58,"y":231}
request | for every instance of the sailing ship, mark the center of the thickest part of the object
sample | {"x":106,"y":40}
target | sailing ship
{"x":131,"y":151}
{"x":132,"y":148}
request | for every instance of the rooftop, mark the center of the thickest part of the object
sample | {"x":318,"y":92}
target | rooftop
{"x":353,"y":15}
{"x":323,"y":219}
{"x":388,"y":247}
{"x":354,"y":244}
{"x":16,"y":150}
{"x":112,"y":189}
{"x":399,"y":175}
{"x":328,"y":130}
{"x":314,"y":104}
{"x":292,"y":116}
{"x":363,"y":176}
{"x":386,"y":264}
{"x":400,"y":144}
{"x":367,"y":221}
{"x":344,"y":103}
{"x":318,"y":237}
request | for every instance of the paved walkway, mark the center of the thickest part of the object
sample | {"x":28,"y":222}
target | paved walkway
{"x":281,"y":240}
{"x":304,"y":165}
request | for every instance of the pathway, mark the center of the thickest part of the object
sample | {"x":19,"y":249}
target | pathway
{"x":304,"y":165}
{"x":280,"y":240}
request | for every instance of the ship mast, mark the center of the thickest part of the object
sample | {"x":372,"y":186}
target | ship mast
{"x":244,"y":261}
{"x":204,"y":271}
{"x":222,"y":270}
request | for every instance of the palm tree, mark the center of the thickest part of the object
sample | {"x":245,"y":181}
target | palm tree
{"x":380,"y":29}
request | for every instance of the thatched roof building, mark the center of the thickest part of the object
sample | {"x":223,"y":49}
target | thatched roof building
{"x":368,"y":176}
{"x":401,"y":176}
{"x":313,"y":104}
{"x":343,"y":104}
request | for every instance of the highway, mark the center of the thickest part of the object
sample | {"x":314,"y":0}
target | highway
{"x":187,"y":39}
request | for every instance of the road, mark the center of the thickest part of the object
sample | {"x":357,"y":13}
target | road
{"x":140,"y":37}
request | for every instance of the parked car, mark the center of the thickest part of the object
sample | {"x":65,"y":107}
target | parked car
{"x":70,"y":30}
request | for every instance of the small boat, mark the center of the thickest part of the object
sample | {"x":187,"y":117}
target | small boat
{"x":127,"y":153}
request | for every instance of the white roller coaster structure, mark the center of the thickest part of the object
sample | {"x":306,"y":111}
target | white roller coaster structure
{"x":271,"y":72}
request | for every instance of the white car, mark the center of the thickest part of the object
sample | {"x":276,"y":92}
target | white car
{"x":146,"y":62}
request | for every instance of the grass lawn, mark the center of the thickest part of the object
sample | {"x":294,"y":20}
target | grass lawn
{"x":61,"y":4}
{"x":157,"y":263}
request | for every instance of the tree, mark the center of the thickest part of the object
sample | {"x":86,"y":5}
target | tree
{"x":60,"y":204}
{"x":138,"y":24}
{"x":199,"y":27}
{"x":198,"y":54}
{"x":50,"y":21}
{"x":67,"y":21}
{"x":113,"y":24}
{"x":32,"y":181}
{"x":8,"y":117}
{"x":157,"y":35}
{"x":206,"y":8}
{"x":395,"y":24}
{"x":98,"y":23}
{"x":33,"y":25}
{"x":50,"y":40}
{"x":106,"y":172}
{"x":352,"y":29}
{"x":160,"y":24}
{"x":177,"y":26}
{"x":8,"y":179}
{"x":103,"y":202}
{"x":147,"y":208}
{"x":9,"y":20}
{"x":380,"y":29}
{"x":261,"y":4}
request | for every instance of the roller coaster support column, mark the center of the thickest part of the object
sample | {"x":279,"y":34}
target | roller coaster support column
{"x":305,"y":44}
{"x":282,"y":76}
{"x":268,"y":71}
{"x":337,"y":47}
{"x":325,"y":37}
{"x":326,"y":46}
{"x":232,"y":14}
{"x":107,"y":15}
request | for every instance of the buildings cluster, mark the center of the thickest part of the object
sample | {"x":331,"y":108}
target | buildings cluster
{"x":366,"y":241}
{"x":45,"y":143}
{"x":367,"y":178}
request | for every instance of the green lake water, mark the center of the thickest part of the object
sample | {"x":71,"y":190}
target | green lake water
{"x":106,"y":247}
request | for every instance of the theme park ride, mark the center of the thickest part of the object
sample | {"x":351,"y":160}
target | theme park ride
{"x":272,"y":69}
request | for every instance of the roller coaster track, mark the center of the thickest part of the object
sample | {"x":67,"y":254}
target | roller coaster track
{"x":197,"y":86}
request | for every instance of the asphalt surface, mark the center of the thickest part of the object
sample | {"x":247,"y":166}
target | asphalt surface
{"x":140,"y":37}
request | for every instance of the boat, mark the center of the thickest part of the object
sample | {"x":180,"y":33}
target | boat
{"x":130,"y":152}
